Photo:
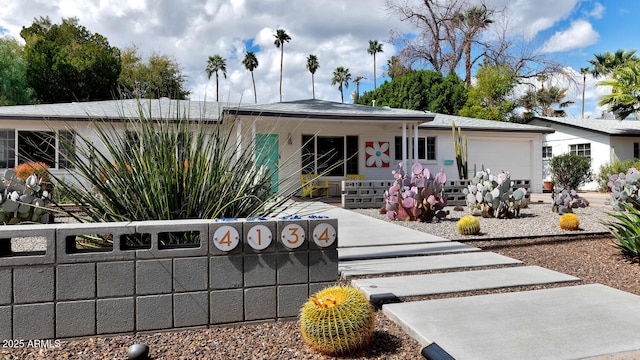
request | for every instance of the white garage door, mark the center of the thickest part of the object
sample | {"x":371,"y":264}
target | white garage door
{"x":498,"y":154}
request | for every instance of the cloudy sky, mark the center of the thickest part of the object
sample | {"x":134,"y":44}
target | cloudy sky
{"x":337,"y":31}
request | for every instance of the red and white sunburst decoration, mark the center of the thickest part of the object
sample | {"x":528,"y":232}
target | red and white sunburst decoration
{"x":377,"y":154}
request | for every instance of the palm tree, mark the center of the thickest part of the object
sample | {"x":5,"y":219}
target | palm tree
{"x":251,"y":63}
{"x":341,"y":76}
{"x":312,"y":66}
{"x":475,"y":19}
{"x":605,"y":64}
{"x":624,"y":99}
{"x":542,"y":101}
{"x":374,"y":48}
{"x":281,"y":38}
{"x":584,"y":71}
{"x":357,"y":82}
{"x":216,"y":63}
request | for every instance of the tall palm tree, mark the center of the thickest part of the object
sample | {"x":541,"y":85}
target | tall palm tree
{"x":474,"y":19}
{"x":374,"y":48}
{"x":357,"y":82}
{"x":281,"y":38}
{"x":214,"y":64}
{"x":250,"y":62}
{"x":341,"y":76}
{"x":584,"y":71}
{"x":542,"y":101}
{"x":312,"y":66}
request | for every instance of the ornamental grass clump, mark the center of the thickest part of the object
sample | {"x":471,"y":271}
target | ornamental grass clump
{"x":468,"y":225}
{"x":153,"y":167}
{"x":338,"y":320}
{"x":569,"y":221}
{"x":418,"y":196}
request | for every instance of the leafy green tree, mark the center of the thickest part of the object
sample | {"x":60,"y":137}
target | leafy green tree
{"x":14,"y":89}
{"x":250,"y":63}
{"x":281,"y":38}
{"x":66,"y":62}
{"x":541,"y":101}
{"x":312,"y":66}
{"x":215,"y":64}
{"x":341,"y":76}
{"x":396,"y":68}
{"x":425,"y":90}
{"x":159,"y":77}
{"x":374,"y":48}
{"x":490,"y":98}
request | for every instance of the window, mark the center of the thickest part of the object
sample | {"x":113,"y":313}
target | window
{"x":66,"y":144}
{"x":7,"y":148}
{"x":426,"y":148}
{"x":329,"y":155}
{"x":37,"y":146}
{"x":547,"y":152}
{"x":636,"y":150}
{"x":581,"y":149}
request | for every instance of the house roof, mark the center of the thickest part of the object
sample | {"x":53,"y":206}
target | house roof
{"x":328,"y":110}
{"x":443,"y":121}
{"x":114,"y":110}
{"x":607,"y":127}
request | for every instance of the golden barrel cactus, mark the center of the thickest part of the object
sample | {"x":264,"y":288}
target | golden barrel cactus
{"x":338,"y":320}
{"x":569,"y":221}
{"x":468,"y":225}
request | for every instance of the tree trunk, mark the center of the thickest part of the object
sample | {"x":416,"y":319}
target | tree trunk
{"x":313,"y":86}
{"x":467,"y":63}
{"x":255,"y":95}
{"x":374,"y":70}
{"x":281,"y":63}
{"x":584,"y":83}
{"x":217,"y":87}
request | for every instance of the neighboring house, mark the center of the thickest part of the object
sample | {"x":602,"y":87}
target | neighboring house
{"x":306,"y":136}
{"x":603,"y":141}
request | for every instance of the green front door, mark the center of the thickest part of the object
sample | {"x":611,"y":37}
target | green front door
{"x":267,"y":155}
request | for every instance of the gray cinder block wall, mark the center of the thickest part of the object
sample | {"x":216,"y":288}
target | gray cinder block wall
{"x":242,"y":270}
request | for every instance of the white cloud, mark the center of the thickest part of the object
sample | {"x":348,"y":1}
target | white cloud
{"x":598,"y":11}
{"x":529,"y":18}
{"x":580,"y":34}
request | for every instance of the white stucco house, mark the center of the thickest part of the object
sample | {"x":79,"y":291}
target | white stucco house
{"x":304,"y":136}
{"x":602,"y":140}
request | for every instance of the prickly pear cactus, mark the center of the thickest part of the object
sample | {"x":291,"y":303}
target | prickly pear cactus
{"x":569,"y":222}
{"x":23,"y":201}
{"x":564,"y":201}
{"x":624,"y":189}
{"x":468,"y":225}
{"x":337,"y":321}
{"x":492,"y":195}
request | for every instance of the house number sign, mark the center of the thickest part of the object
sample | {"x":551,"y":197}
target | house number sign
{"x":292,"y":236}
{"x":226,"y":238}
{"x":259,"y":237}
{"x":324,"y":234}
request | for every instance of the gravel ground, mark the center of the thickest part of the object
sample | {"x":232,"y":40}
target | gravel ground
{"x":589,"y":257}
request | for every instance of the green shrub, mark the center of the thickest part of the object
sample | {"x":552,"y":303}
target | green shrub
{"x":164,"y":169}
{"x":626,"y":229}
{"x":617,"y":167}
{"x":570,"y":170}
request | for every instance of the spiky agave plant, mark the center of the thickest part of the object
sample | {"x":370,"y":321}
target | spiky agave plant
{"x":569,"y":222}
{"x":468,"y":225}
{"x":337,"y":321}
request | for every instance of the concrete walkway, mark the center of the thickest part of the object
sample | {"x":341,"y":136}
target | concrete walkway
{"x":570,"y":322}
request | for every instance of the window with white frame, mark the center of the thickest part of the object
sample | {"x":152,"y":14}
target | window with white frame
{"x":7,"y":148}
{"x":329,"y":155}
{"x":426,"y":148}
{"x":547,"y":152}
{"x":581,"y":149}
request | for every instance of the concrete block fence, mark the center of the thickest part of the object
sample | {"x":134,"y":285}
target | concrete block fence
{"x":241,"y":270}
{"x":370,"y":194}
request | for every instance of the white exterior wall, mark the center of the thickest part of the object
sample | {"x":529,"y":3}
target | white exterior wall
{"x":564,"y":136}
{"x":623,"y":146}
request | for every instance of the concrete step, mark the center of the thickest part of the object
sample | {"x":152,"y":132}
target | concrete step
{"x":575,"y":322}
{"x":390,"y":251}
{"x":390,"y":288}
{"x":422,"y":263}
